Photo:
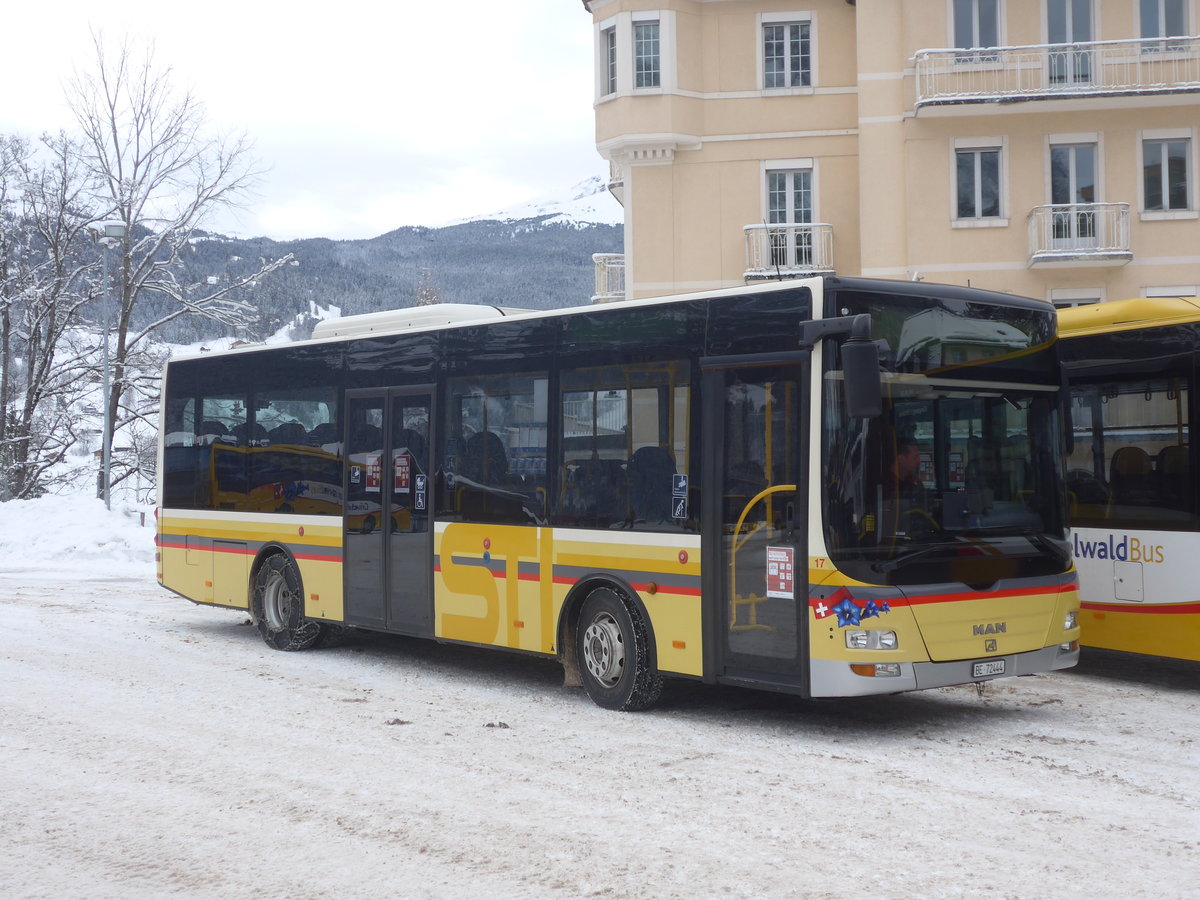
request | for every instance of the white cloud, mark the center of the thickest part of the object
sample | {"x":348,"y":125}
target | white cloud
{"x":368,"y":116}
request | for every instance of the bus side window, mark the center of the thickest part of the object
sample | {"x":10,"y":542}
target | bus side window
{"x":1132,"y":460}
{"x":1173,"y":474}
{"x":495,"y":455}
{"x":624,"y":437}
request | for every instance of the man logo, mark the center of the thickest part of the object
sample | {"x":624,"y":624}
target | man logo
{"x":990,"y":628}
{"x":989,"y":646}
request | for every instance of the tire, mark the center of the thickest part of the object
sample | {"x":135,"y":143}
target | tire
{"x":278,"y":606}
{"x":615,"y":651}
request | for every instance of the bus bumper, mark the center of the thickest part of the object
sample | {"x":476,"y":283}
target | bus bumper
{"x":831,"y":678}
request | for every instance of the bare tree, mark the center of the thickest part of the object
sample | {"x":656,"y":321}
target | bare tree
{"x":47,"y":277}
{"x":13,"y":154}
{"x":158,"y":175}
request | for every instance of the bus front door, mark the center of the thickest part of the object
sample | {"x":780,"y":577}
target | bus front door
{"x":388,"y":548}
{"x":755,"y":433}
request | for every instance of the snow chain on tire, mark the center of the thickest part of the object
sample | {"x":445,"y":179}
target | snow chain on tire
{"x":278,"y":606}
{"x":615,"y":652}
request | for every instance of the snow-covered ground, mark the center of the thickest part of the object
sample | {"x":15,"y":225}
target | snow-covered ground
{"x":150,"y":747}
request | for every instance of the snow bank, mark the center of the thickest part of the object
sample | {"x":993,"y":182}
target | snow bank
{"x":72,"y":532}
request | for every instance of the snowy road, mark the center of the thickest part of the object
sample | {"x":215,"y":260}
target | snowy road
{"x":151,"y":747}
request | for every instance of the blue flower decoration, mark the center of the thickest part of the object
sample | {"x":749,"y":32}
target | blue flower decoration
{"x":847,"y":613}
{"x":885,"y":607}
{"x":870,"y":611}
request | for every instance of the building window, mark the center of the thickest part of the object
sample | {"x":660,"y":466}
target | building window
{"x":608,"y":41}
{"x":787,"y":55}
{"x":1165,"y":174}
{"x":1073,"y":183}
{"x":647,"y":67}
{"x":1162,"y":18}
{"x":790,"y":203}
{"x":978,"y":172}
{"x":1069,"y":22}
{"x":1064,"y":298}
{"x":1176,"y":290}
{"x":976,"y":23}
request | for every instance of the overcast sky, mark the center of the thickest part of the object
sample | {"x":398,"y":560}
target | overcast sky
{"x":368,"y":115}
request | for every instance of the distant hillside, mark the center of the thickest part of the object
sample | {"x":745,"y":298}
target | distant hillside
{"x":541,"y":261}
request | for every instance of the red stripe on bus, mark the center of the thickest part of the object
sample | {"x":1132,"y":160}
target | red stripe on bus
{"x":562,"y":579}
{"x":1156,"y":609}
{"x":663,"y":589}
{"x":922,"y":599}
{"x":247,"y":551}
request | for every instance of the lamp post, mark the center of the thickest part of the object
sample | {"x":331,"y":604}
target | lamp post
{"x":114,"y":233}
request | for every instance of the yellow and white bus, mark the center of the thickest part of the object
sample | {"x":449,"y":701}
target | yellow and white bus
{"x":1134,"y":507}
{"x":701,"y":486}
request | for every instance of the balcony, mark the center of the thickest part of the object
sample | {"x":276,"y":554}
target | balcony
{"x":610,"y":277}
{"x":1056,"y":71}
{"x":1079,"y":234}
{"x":788,"y":251}
{"x":616,"y":181}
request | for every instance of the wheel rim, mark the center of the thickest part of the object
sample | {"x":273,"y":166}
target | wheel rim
{"x":278,"y":602}
{"x":604,"y":650}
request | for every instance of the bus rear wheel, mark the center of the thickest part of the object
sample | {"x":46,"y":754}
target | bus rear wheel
{"x":615,"y":653}
{"x":278,"y":606}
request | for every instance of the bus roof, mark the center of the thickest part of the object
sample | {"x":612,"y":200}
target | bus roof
{"x":412,"y":319}
{"x":1127,"y":315}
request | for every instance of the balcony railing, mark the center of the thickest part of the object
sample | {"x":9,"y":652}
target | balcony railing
{"x":1079,"y":234}
{"x":1047,"y":71}
{"x":791,"y":250}
{"x":610,"y":277}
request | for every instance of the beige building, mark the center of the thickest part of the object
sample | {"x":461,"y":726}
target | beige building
{"x":1041,"y":147}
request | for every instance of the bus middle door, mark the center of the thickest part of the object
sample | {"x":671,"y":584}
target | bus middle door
{"x":388,"y":540}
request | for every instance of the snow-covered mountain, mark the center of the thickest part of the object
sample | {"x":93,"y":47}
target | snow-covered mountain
{"x":586,"y":203}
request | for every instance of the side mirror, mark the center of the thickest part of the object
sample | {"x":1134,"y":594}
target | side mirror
{"x":860,"y":369}
{"x":860,"y":361}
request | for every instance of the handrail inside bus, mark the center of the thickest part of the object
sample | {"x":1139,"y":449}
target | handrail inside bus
{"x":746,"y":511}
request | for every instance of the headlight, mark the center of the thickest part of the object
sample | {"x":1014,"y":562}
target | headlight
{"x":871,"y":640}
{"x":1071,"y":621}
{"x":876,"y":670}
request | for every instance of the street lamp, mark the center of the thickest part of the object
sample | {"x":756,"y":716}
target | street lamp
{"x":113,"y":234}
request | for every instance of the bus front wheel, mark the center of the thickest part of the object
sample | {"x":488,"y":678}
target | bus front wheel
{"x":278,"y":606}
{"x":614,"y":652}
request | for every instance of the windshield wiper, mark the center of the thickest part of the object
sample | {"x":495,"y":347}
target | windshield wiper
{"x":1042,"y":542}
{"x":1039,"y":541}
{"x":893,"y":564}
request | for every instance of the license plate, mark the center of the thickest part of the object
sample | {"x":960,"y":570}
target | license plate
{"x":989,"y":667}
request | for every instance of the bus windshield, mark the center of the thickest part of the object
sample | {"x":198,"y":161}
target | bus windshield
{"x":960,"y":478}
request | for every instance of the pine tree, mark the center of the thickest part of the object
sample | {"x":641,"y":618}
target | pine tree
{"x":427,"y":292}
